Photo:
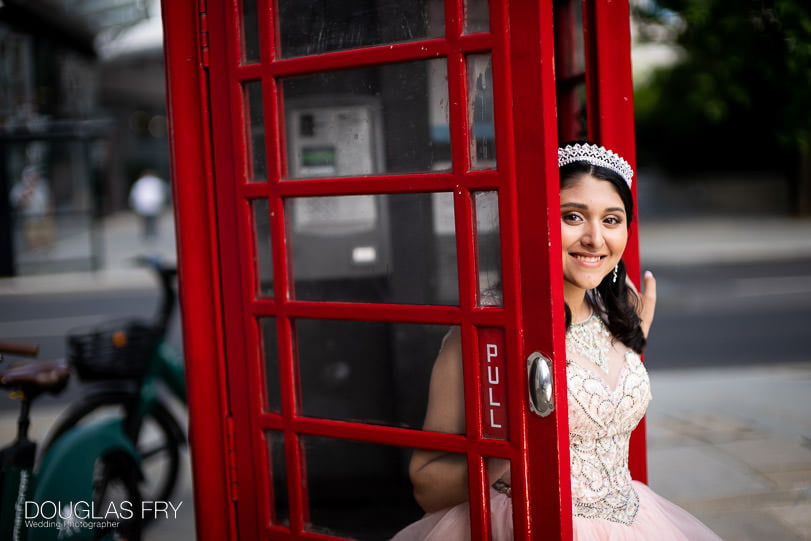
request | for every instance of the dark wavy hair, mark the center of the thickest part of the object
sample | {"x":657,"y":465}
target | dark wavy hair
{"x":614,"y":302}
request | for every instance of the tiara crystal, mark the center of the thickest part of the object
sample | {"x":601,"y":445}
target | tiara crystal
{"x":596,"y":155}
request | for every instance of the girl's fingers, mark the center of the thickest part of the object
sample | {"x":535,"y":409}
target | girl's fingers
{"x":648,"y":302}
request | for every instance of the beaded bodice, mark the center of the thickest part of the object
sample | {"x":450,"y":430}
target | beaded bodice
{"x":601,"y":418}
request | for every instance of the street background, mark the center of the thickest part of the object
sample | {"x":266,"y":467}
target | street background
{"x":729,"y":430}
{"x":720,"y":95}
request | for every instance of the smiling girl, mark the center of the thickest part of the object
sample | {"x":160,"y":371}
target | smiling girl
{"x":607,"y":324}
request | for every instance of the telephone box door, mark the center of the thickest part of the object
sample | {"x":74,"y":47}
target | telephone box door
{"x":357,"y":184}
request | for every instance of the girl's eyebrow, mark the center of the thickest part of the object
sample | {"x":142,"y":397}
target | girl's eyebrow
{"x":581,"y":206}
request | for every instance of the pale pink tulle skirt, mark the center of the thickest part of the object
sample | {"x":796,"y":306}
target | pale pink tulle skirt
{"x":657,"y":519}
{"x":453,"y":524}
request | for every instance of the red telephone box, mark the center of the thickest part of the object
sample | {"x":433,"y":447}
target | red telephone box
{"x":351,"y":179}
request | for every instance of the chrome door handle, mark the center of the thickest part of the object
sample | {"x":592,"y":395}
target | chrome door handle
{"x":539,"y":372}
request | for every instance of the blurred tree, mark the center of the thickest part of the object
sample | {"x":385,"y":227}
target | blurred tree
{"x":739,"y":100}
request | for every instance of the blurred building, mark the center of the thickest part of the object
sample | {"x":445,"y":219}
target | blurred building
{"x":63,"y":115}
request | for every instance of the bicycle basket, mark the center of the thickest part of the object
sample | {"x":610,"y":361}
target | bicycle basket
{"x":119,"y":349}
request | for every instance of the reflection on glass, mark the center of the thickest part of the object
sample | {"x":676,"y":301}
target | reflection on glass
{"x":501,"y":517}
{"x":358,"y":490}
{"x":381,"y":249}
{"x":280,"y":508}
{"x":579,"y":48}
{"x":250,"y":32}
{"x":581,"y":115}
{"x":370,"y":372}
{"x":366,"y":121}
{"x":477,"y":16}
{"x":480,"y":112}
{"x":254,"y":112}
{"x":270,"y":351}
{"x":263,"y":263}
{"x":572,"y":113}
{"x":570,"y":68}
{"x":309,"y":27}
{"x":570,"y":58}
{"x":445,"y":232}
{"x":488,"y":248}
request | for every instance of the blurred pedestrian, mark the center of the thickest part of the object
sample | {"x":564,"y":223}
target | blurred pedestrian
{"x":31,"y":198}
{"x":147,"y":198}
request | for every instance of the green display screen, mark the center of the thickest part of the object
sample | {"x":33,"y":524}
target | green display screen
{"x":317,"y":156}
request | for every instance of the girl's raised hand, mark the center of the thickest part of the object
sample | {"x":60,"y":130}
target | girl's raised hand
{"x":647,"y":301}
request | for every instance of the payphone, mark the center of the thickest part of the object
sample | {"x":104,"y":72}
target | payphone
{"x":337,"y":237}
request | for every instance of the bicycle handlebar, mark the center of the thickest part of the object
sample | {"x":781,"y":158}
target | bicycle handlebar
{"x":15,"y":348}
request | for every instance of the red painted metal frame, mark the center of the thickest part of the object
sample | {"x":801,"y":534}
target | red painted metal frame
{"x":539,"y":277}
{"x":213,"y":198}
{"x":198,"y":265}
{"x":239,"y":294}
{"x":610,"y":96}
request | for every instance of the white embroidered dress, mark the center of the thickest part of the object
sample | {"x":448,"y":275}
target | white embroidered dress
{"x":609,"y":392}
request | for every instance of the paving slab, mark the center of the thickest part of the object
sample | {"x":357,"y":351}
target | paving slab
{"x":776,"y":454}
{"x":685,"y":473}
{"x":748,"y":525}
{"x":797,"y":516}
{"x":706,"y":428}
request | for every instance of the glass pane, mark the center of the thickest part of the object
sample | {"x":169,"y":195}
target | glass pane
{"x":256,"y":138}
{"x":572,"y":113}
{"x":250,"y":32}
{"x":579,"y":47}
{"x":501,"y":517}
{"x":365,"y":121}
{"x":570,"y":57}
{"x":358,"y":490}
{"x":480,"y":112}
{"x":280,"y":508}
{"x":570,"y":68}
{"x":309,"y":27}
{"x":445,"y":250}
{"x":477,"y":16}
{"x":263,"y":263}
{"x":439,"y":116}
{"x":371,"y":372}
{"x":270,"y":351}
{"x":488,"y":248}
{"x":372,"y":248}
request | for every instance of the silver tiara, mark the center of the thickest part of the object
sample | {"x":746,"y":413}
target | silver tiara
{"x":596,"y":155}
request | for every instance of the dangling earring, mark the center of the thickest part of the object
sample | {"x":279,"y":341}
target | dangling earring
{"x":614,"y":275}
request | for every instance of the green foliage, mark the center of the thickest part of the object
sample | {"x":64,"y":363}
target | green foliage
{"x":741,"y":98}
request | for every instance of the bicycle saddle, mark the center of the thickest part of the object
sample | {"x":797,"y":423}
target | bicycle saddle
{"x":40,"y":375}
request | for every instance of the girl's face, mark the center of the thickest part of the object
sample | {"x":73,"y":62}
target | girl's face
{"x":594,"y":231}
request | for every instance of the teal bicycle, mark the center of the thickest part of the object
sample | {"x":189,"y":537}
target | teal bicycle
{"x":84,"y":486}
{"x":132,"y":385}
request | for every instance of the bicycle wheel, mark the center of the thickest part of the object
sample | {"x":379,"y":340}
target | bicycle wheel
{"x":159,"y":439}
{"x":115,"y":486}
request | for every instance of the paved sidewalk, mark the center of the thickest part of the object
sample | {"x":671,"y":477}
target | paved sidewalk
{"x":731,"y":445}
{"x":122,"y":241}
